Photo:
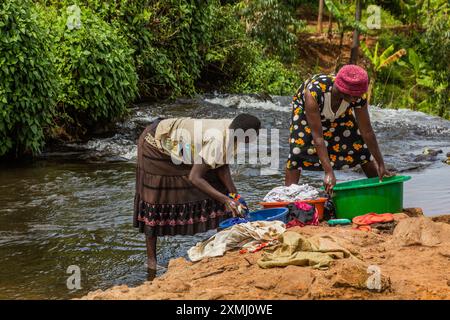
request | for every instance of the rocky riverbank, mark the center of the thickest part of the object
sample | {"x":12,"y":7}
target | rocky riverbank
{"x":412,"y":258}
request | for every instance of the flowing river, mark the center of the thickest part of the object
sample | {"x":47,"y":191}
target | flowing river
{"x":73,"y":206}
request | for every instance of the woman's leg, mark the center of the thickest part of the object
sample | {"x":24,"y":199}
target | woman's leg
{"x":292,"y":176}
{"x":151,"y":252}
{"x":370,"y":169}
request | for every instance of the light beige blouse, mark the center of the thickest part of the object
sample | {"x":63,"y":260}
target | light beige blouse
{"x":194,"y":141}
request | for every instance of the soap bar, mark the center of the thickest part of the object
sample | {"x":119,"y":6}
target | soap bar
{"x":334,"y":222}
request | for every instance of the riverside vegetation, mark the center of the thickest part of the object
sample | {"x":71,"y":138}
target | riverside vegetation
{"x":67,"y":67}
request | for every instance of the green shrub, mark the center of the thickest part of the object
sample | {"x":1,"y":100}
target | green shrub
{"x":95,"y":63}
{"x":422,"y":83}
{"x":389,"y":95}
{"x":267,"y":76}
{"x":180,"y":45}
{"x":436,"y":42}
{"x":170,"y":39}
{"x":236,"y":63}
{"x":27,"y":79}
{"x":231,"y":52}
{"x":274,"y":25}
{"x":399,"y":39}
{"x":182,"y":32}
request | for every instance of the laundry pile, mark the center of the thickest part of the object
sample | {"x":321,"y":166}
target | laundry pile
{"x":292,"y":193}
{"x":302,"y":214}
{"x":296,"y":249}
{"x":248,"y":236}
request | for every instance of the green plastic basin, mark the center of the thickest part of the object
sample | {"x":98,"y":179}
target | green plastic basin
{"x":358,"y":197}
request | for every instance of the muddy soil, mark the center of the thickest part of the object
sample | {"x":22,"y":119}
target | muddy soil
{"x":413,"y":261}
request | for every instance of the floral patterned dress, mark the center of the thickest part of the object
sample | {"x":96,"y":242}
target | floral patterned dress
{"x":346,"y":147}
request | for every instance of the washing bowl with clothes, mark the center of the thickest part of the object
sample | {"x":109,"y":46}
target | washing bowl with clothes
{"x":259,"y":215}
{"x":318,"y":203}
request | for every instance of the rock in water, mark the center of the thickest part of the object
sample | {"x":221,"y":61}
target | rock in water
{"x":428,"y":155}
{"x":431,"y":152}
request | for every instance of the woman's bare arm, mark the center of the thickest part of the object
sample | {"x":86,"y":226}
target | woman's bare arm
{"x":196,"y":175}
{"x":315,"y":124}
{"x":224,"y":174}
{"x":365,"y":127}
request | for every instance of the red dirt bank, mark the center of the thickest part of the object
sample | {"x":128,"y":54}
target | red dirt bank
{"x":414,"y":263}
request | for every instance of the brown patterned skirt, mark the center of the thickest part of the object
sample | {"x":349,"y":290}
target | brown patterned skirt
{"x":166,"y":202}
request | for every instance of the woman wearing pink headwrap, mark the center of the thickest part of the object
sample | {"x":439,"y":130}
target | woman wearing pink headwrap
{"x":330,"y":127}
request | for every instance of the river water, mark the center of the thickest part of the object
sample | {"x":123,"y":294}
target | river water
{"x":73,"y":207}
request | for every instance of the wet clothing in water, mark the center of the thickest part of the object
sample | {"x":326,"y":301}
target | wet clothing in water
{"x":343,"y":140}
{"x":166,"y":202}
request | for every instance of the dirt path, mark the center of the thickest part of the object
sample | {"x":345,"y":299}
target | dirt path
{"x":319,"y":53}
{"x":414,"y":262}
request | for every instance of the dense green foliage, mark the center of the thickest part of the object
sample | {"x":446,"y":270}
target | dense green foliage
{"x":27,"y":79}
{"x":437,"y":49}
{"x":170,"y":39}
{"x":69,"y":65}
{"x":274,"y":24}
{"x":413,"y":12}
{"x":267,"y":76}
{"x":237,"y":64}
{"x":97,"y":75}
{"x":180,"y":43}
{"x":420,"y":81}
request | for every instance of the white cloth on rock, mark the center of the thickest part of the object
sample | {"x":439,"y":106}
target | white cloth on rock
{"x":294,"y":192}
{"x":241,"y":235}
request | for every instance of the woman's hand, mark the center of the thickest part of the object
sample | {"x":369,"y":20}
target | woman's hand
{"x":242,"y":205}
{"x":233,"y":206}
{"x":382,"y":172}
{"x":329,"y":181}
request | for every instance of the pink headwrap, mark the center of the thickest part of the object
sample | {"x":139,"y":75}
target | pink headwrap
{"x":352,"y":80}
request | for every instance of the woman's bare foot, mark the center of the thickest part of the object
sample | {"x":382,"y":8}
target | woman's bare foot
{"x":151,"y":274}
